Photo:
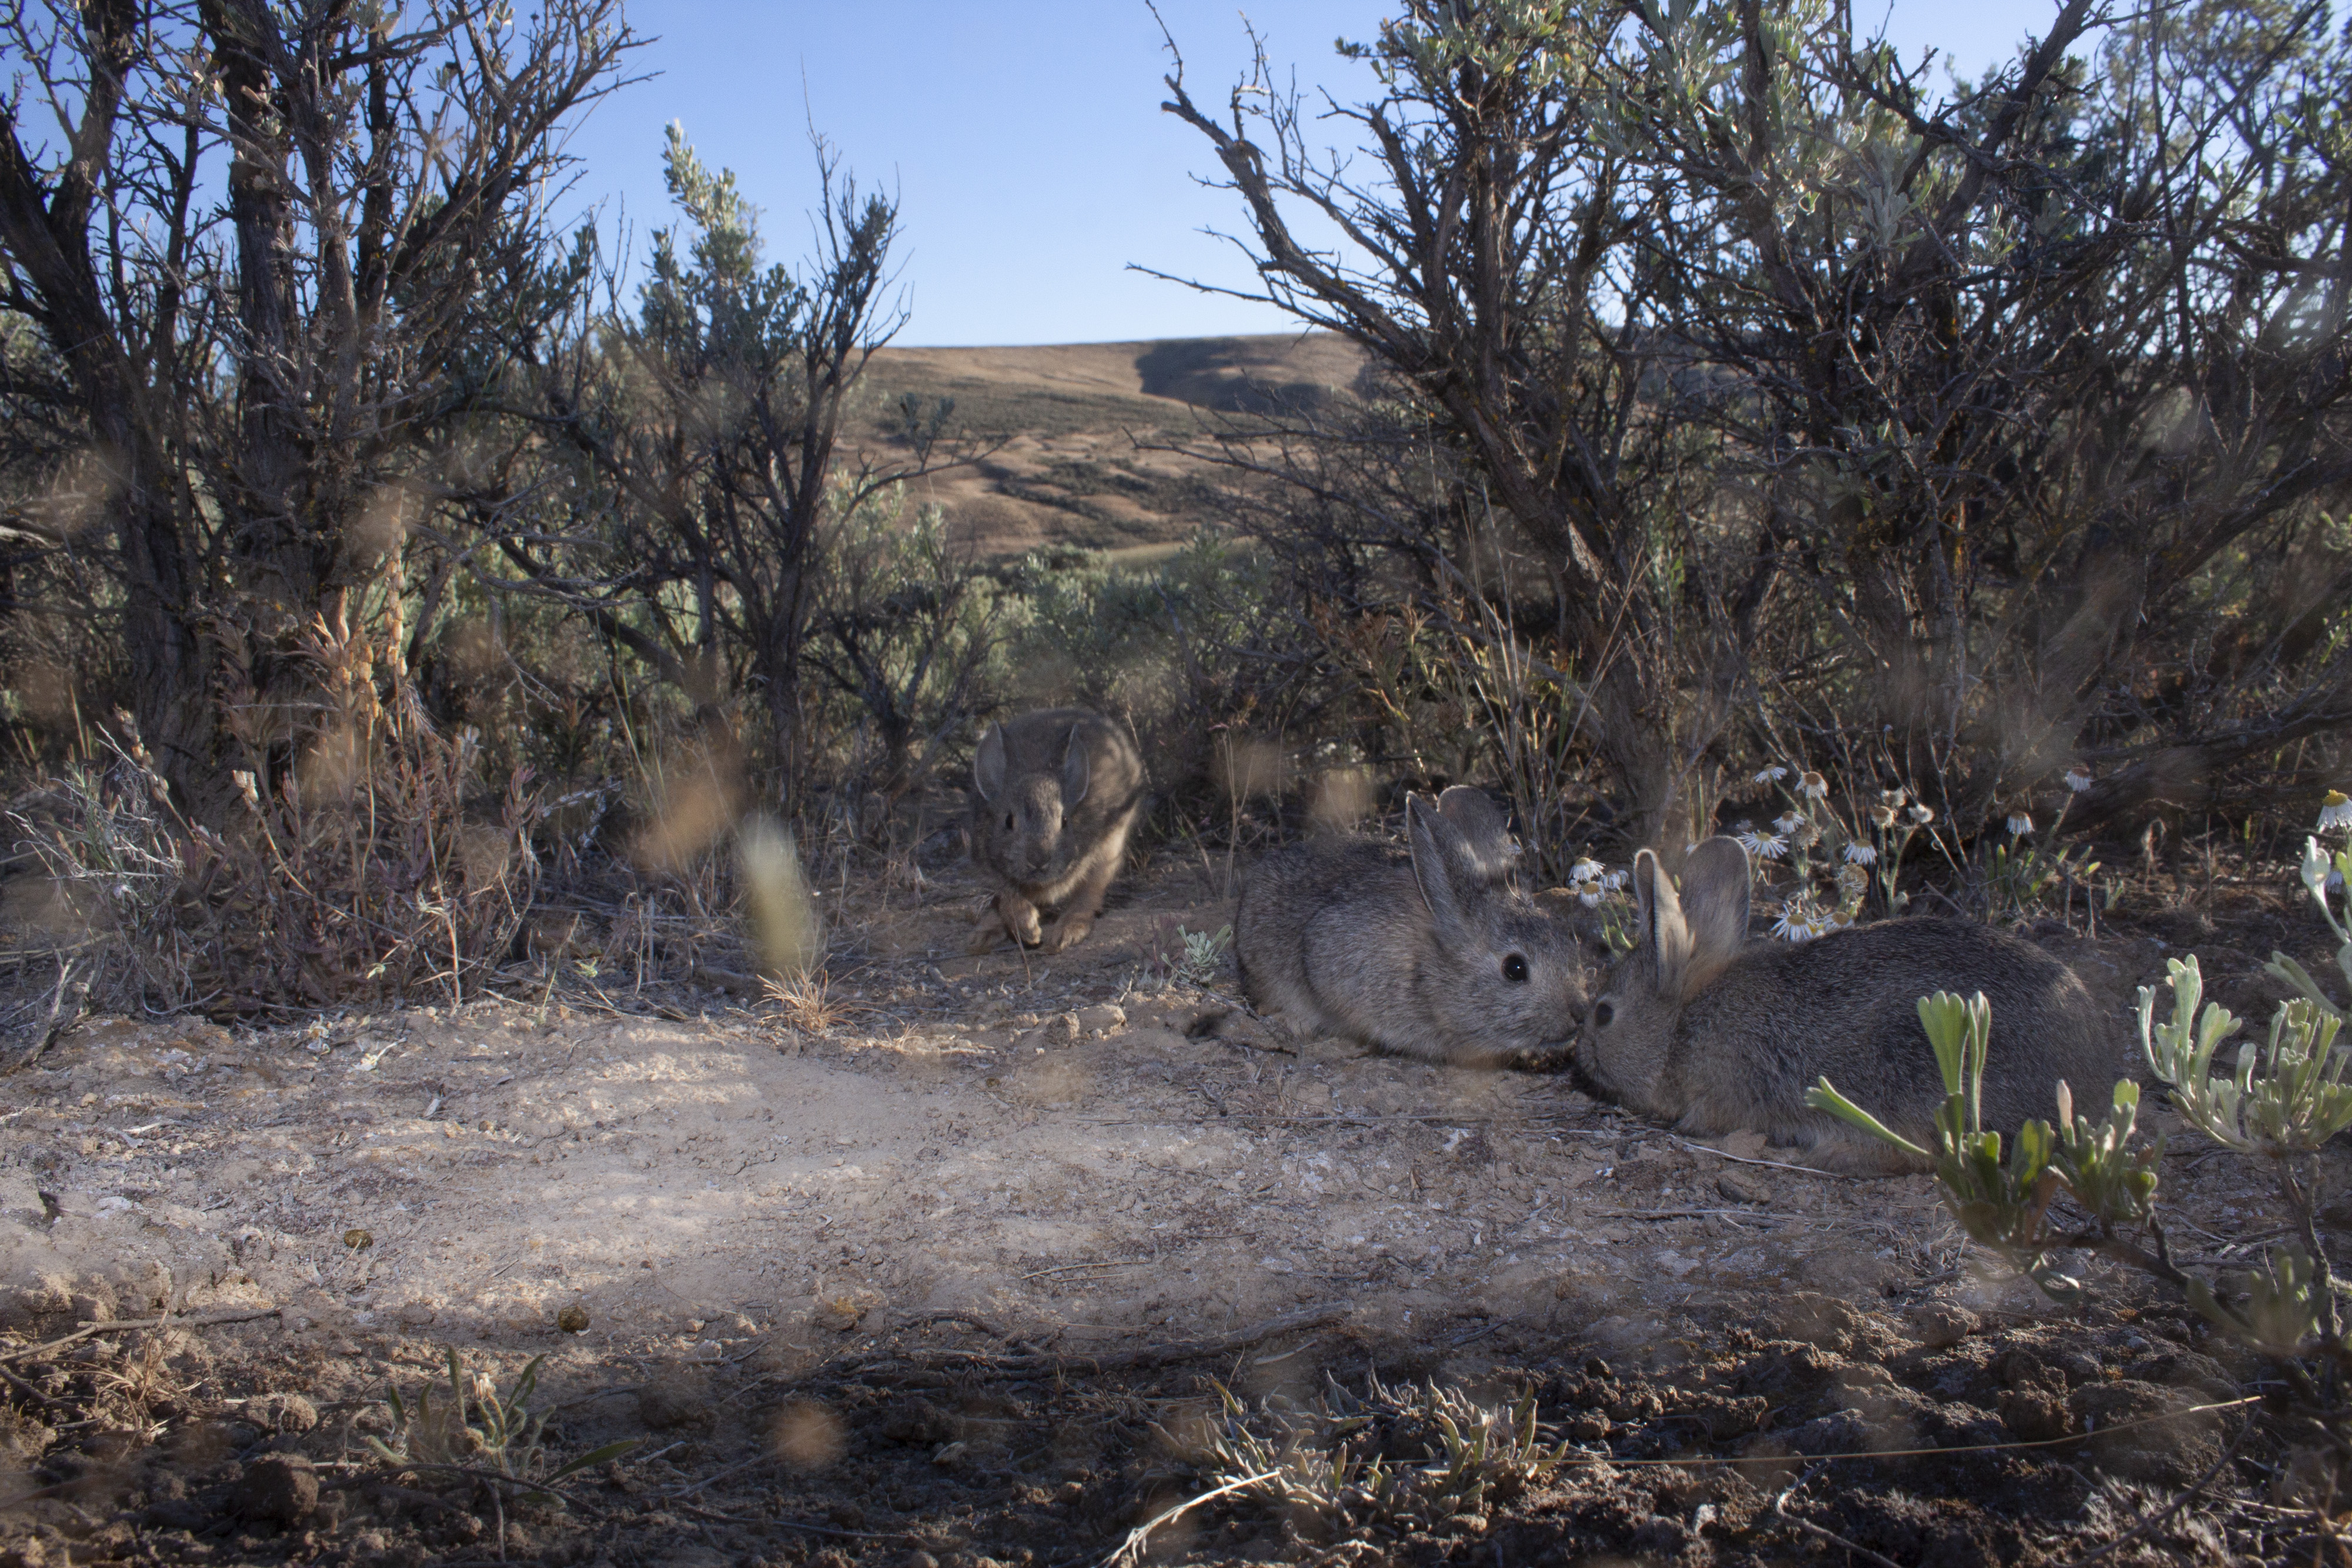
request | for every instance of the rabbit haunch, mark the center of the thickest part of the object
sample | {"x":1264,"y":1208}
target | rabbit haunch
{"x":1697,"y":1028}
{"x":1055,"y":795}
{"x":1435,"y":955}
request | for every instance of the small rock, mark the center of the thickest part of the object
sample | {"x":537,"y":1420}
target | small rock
{"x":282,"y":1488}
{"x":841,"y":1313}
{"x":1941,"y":1325}
{"x":1063,"y":1028}
{"x":918,"y":1558}
{"x":414,"y":1314}
{"x":1738,"y":1188}
{"x":286,"y":1413}
{"x":1103,"y":1020}
{"x":573,"y":1319}
{"x":674,"y":1398}
{"x":917,"y":1421}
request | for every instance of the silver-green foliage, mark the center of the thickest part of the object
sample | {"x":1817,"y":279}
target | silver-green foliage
{"x":481,"y":1428}
{"x":2285,"y":1096}
{"x":1325,"y":1461}
{"x":2004,"y":1202}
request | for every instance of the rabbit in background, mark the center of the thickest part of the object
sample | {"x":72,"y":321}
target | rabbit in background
{"x":1698,"y":1028}
{"x":1436,"y":955}
{"x":1055,"y":795}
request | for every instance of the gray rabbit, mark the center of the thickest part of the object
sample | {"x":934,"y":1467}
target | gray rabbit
{"x":1697,"y":1028}
{"x":1435,"y":955}
{"x":1055,"y":795}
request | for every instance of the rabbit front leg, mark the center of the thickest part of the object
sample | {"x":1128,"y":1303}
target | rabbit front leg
{"x":1085,"y":902}
{"x":1008,"y":914}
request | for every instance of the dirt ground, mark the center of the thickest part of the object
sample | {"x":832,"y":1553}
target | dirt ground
{"x":988,"y":1270}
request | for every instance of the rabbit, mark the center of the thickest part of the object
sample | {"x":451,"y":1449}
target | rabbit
{"x":1436,"y":955}
{"x":1055,"y":795}
{"x":1697,"y":1028}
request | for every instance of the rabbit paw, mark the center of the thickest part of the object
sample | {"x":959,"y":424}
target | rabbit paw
{"x":1068,"y":932}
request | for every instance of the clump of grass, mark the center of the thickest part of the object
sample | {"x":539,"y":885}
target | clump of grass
{"x":806,"y":1002}
{"x":481,"y":1431}
{"x":1391,"y":1459}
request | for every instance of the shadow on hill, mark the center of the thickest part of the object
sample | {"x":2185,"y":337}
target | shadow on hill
{"x":1232,"y":375}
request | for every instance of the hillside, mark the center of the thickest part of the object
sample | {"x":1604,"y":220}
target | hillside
{"x":1073,"y":421}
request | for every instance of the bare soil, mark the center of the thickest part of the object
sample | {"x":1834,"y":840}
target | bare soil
{"x":960,"y":1279}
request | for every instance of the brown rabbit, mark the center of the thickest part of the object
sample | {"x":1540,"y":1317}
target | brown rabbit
{"x":1055,"y":795}
{"x":1436,"y":955}
{"x":1697,"y":1028}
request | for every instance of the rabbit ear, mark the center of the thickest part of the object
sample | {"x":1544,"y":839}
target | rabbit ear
{"x":1437,"y":853}
{"x":1715,"y":902}
{"x":1666,"y":936}
{"x":1474,"y":812}
{"x":1077,"y":770}
{"x":988,"y":763}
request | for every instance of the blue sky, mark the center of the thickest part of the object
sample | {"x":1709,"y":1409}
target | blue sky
{"x":1024,"y":140}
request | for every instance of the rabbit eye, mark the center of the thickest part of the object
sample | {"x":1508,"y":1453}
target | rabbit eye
{"x":1515,"y":969}
{"x":1602,"y":1013}
{"x":1008,"y":818}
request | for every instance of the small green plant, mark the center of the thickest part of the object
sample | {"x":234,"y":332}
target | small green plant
{"x":1181,"y":957}
{"x":2004,"y":1203}
{"x":2326,"y":871}
{"x":481,"y":1428}
{"x":2285,"y":1098}
{"x":1336,"y":1462}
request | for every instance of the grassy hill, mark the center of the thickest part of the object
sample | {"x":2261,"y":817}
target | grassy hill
{"x":1074,"y":420}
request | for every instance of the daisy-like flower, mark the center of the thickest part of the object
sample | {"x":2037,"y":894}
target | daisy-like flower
{"x":1815,"y":787}
{"x":1806,"y":835}
{"x":1590,"y":900}
{"x":1853,"y":879}
{"x":2078,"y":779}
{"x":2020,"y":823}
{"x":2336,"y":811}
{"x":1616,"y":880}
{"x":1583,"y":871}
{"x":1797,"y":923}
{"x":1767,"y":846}
{"x":1923,"y":815}
{"x":1771,"y":775}
{"x":1892,"y":799}
{"x":1862,"y":854}
{"x":1789,"y":823}
{"x":1883,"y":816}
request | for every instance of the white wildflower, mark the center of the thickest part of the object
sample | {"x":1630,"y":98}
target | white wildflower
{"x":1796,"y":923}
{"x":1815,"y":787}
{"x":1786,"y":823}
{"x":2336,"y":811}
{"x":1590,"y":900}
{"x":2020,"y":823}
{"x":1883,"y":816}
{"x":1862,"y":854}
{"x":1771,"y":775}
{"x":1892,"y":799}
{"x":1583,"y":872}
{"x":1616,"y":880}
{"x":2078,"y":779}
{"x":1766,"y":846}
{"x":1923,"y":815}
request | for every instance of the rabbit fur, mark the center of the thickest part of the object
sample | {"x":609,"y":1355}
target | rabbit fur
{"x":1698,"y":1028}
{"x":1435,"y":955}
{"x":1055,"y":795}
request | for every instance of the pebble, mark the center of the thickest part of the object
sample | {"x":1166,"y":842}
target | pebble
{"x":282,"y":1488}
{"x":1102,"y":1019}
